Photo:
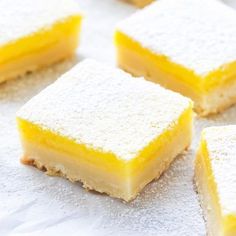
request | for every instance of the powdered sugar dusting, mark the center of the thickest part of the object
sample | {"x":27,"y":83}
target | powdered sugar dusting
{"x":197,"y":34}
{"x":105,"y":108}
{"x":21,"y":18}
{"x":221,"y":144}
{"x":35,"y":204}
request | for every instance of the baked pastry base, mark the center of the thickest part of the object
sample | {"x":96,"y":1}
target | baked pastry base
{"x":76,"y":168}
{"x":139,"y":62}
{"x":206,"y":198}
{"x":62,"y":42}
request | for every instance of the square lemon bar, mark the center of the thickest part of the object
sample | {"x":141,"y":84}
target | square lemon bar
{"x":215,"y":176}
{"x":188,"y":46}
{"x":99,"y":125}
{"x":36,"y":34}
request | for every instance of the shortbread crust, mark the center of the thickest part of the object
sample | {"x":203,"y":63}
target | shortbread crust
{"x":215,"y":179}
{"x":179,"y":41}
{"x":103,"y":118}
{"x":34,"y":34}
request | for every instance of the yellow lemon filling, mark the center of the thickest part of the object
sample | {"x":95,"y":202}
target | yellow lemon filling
{"x":101,"y":126}
{"x":219,"y":223}
{"x":183,"y":50}
{"x":130,"y":53}
{"x":140,"y":61}
{"x":136,"y":173}
{"x":140,"y":3}
{"x":41,"y":48}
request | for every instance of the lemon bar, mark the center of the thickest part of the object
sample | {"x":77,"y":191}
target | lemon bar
{"x":35,"y":34}
{"x":187,"y":46}
{"x":140,"y":3}
{"x":215,"y":177}
{"x":99,"y":125}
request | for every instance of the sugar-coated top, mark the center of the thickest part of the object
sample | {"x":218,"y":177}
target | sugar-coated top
{"x":20,"y":18}
{"x":197,"y":34}
{"x":221,"y":145}
{"x":105,"y":109}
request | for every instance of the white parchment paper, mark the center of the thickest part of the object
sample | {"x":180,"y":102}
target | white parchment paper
{"x":32,"y":203}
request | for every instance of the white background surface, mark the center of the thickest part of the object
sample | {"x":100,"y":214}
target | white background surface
{"x":32,"y":203}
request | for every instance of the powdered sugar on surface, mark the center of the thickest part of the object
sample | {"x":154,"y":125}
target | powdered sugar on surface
{"x":221,"y":145}
{"x":197,"y":34}
{"x":21,"y":18}
{"x":106,"y":109}
{"x":33,"y":204}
